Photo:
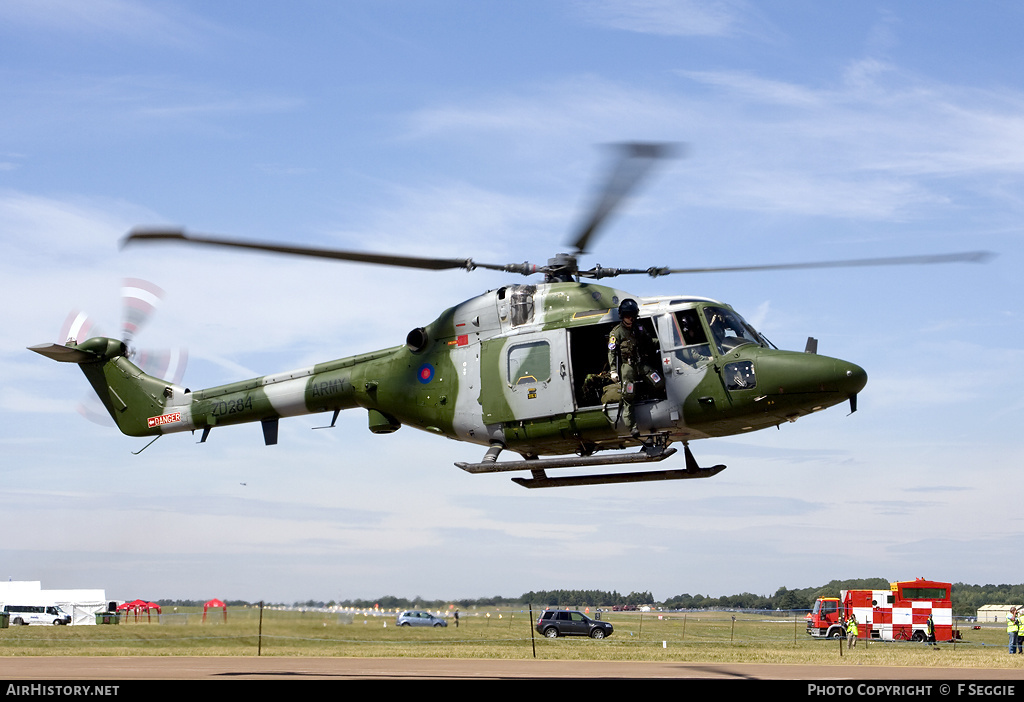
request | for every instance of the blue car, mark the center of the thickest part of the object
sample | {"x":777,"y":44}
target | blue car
{"x":414,"y":617}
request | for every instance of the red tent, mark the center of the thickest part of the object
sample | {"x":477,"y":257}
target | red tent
{"x":138,"y":607}
{"x":215,"y":604}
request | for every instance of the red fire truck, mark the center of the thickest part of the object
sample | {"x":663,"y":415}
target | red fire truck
{"x":899,"y":613}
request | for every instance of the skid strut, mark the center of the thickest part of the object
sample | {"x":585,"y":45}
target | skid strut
{"x":538,"y":466}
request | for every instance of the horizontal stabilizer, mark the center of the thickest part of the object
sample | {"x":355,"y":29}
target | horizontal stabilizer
{"x":65,"y":354}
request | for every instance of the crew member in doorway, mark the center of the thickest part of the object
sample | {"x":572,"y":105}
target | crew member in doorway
{"x":628,"y":345}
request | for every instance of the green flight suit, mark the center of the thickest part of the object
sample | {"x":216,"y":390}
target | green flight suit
{"x":628,"y":346}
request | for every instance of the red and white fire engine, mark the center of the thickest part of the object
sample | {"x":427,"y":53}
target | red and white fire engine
{"x":899,"y":613}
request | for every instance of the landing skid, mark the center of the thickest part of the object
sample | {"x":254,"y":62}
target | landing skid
{"x":649,"y":454}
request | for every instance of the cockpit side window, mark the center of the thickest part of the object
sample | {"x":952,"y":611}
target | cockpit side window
{"x":689,"y":341}
{"x":690,"y":328}
{"x":729,"y":330}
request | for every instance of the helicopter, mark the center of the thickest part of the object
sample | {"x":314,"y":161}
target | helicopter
{"x":522,"y":368}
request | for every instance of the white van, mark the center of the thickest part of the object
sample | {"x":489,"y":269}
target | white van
{"x":37,"y":614}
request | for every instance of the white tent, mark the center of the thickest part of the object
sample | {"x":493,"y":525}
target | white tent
{"x":82,"y":605}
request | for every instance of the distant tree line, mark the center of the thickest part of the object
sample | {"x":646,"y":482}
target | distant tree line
{"x":200,"y":603}
{"x":583,"y":598}
{"x":784,"y":598}
{"x":967,"y":599}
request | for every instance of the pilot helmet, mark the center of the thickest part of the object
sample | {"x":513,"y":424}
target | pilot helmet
{"x":629,"y":308}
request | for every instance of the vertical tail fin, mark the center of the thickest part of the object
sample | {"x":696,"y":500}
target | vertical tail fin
{"x":133,"y":399}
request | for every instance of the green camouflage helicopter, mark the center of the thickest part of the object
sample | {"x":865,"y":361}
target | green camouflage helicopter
{"x":524,"y":367}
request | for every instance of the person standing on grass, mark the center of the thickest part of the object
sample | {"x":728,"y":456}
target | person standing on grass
{"x":1020,"y":632}
{"x":851,"y":631}
{"x":1011,"y":628}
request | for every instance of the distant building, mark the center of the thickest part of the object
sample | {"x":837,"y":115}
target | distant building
{"x":996,"y":613}
{"x":82,"y":605}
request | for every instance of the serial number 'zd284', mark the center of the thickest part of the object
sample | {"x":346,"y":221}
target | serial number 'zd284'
{"x":220,"y":408}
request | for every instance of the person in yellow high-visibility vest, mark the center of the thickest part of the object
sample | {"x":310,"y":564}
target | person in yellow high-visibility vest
{"x":1020,"y":633}
{"x":1011,"y":628}
{"x":851,"y":631}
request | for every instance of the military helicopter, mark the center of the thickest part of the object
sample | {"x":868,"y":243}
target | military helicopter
{"x":522,"y":368}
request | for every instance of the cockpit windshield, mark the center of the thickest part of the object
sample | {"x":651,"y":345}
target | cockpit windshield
{"x":730,"y":330}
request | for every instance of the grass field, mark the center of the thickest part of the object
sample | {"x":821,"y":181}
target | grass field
{"x":695,"y":637}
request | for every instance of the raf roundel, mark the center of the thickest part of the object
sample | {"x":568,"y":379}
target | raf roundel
{"x":426,"y":373}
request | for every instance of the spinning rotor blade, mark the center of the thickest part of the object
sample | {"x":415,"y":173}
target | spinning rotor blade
{"x":77,"y":326}
{"x":92,"y":409}
{"x":164,"y":364}
{"x":654,"y":272}
{"x":139,"y":299}
{"x":965,"y":257}
{"x":635,"y":161}
{"x":433,"y":264}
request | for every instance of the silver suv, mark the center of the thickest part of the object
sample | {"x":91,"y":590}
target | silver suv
{"x":561,"y":622}
{"x":414,"y":617}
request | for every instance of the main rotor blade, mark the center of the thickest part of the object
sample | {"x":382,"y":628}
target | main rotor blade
{"x":635,"y":160}
{"x":965,"y":257}
{"x":142,"y":234}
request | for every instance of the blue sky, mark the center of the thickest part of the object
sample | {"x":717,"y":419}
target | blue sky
{"x":474,"y":129}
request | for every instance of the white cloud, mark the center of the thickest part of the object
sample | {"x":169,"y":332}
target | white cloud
{"x":716,"y":18}
{"x":150,"y":23}
{"x":876,"y":144}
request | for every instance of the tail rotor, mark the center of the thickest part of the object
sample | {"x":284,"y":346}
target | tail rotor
{"x":139,"y":301}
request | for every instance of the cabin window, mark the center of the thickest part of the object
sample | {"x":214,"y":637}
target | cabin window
{"x":739,"y":376}
{"x":924,"y":593}
{"x":529,"y":363}
{"x":522,"y":304}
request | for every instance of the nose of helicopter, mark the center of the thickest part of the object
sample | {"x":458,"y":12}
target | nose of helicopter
{"x":792,"y":374}
{"x":850,"y":378}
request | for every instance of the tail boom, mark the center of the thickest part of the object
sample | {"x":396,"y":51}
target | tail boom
{"x":142,"y":405}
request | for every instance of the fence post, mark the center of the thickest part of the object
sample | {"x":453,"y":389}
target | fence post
{"x":533,"y":639}
{"x":259,"y":638}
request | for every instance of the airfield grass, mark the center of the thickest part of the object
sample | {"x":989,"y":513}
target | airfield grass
{"x":712,"y":637}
